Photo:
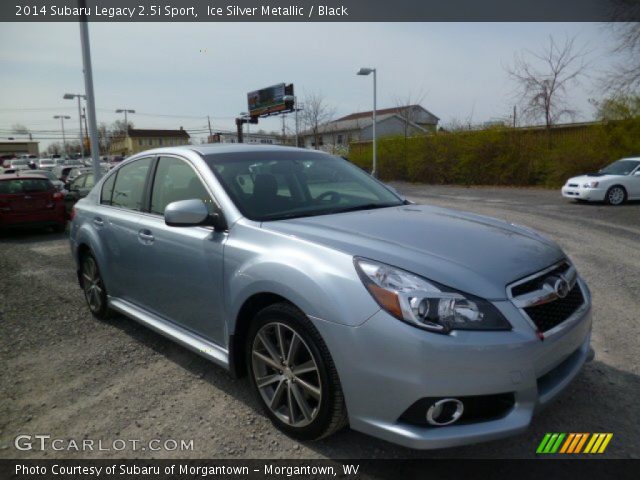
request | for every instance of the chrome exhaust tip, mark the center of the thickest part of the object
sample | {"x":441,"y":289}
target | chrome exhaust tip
{"x":445,"y":412}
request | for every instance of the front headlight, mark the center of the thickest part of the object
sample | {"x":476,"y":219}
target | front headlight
{"x":591,"y":185}
{"x":426,"y":304}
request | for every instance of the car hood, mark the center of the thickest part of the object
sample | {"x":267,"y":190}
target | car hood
{"x":476,"y":254}
{"x":592,"y":177}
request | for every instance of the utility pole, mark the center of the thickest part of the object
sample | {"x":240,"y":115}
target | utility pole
{"x":88,"y":87}
{"x":295,"y":109}
{"x":210,"y":132}
{"x":64,"y":141}
{"x":86,"y":126}
{"x":283,"y":130}
{"x":79,"y":96}
{"x":514,"y":117}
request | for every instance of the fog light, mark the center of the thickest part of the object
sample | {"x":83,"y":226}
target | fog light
{"x":445,"y":412}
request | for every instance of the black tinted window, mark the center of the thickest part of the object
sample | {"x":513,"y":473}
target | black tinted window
{"x":280,"y":185}
{"x":129,"y":185}
{"x":176,"y":180}
{"x":25,"y":185}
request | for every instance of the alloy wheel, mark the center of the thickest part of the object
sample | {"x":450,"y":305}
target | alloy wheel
{"x":286,"y":374}
{"x":92,"y":284}
{"x":616,"y":196}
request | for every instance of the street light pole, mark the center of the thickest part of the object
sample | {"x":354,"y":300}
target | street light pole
{"x":79,"y":96}
{"x":126,"y":122}
{"x":64,"y":141}
{"x":88,"y":88}
{"x":367,"y":71}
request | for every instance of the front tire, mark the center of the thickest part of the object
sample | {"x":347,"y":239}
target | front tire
{"x":616,"y":195}
{"x":292,"y":374}
{"x":93,"y":287}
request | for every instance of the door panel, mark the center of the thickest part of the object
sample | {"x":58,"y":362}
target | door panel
{"x":180,"y":270}
{"x":181,"y":267}
{"x":116,"y":222}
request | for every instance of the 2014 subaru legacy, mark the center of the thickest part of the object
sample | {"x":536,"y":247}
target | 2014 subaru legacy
{"x":343,"y":302}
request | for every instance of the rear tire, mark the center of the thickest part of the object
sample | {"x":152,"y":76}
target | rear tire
{"x":299,"y":389}
{"x":93,"y":287}
{"x":616,"y":195}
{"x":60,"y":227}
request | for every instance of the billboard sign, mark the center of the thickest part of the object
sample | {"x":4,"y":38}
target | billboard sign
{"x":270,"y":100}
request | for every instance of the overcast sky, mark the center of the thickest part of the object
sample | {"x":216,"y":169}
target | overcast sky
{"x":189,"y":71}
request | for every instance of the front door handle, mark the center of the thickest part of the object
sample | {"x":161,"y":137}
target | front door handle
{"x":98,"y":222}
{"x":146,"y":236}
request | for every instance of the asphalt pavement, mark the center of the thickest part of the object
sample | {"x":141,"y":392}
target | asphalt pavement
{"x":72,"y":377}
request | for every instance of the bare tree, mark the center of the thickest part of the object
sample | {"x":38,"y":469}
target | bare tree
{"x":19,"y":129}
{"x":624,"y":78}
{"x":543,"y":79}
{"x":315,"y":112}
{"x":405,"y":111}
{"x":103,"y":137}
{"x":55,"y":148}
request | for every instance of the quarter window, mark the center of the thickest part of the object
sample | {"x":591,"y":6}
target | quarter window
{"x":129,"y":185}
{"x":107,"y":190}
{"x":176,"y":180}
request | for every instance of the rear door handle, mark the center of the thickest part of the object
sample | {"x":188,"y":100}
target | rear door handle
{"x":98,"y":222}
{"x":146,"y":236}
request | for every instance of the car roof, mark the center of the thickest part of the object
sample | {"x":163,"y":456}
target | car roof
{"x":223,"y":148}
{"x":10,"y":176}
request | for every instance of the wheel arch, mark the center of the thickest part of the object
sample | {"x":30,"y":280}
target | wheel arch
{"x":624,"y":189}
{"x":237,"y":340}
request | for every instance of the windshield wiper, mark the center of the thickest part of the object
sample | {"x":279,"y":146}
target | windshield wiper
{"x":364,"y":206}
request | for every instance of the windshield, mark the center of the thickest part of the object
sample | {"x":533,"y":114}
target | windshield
{"x":621,"y":167}
{"x":46,"y":173}
{"x":279,"y":185}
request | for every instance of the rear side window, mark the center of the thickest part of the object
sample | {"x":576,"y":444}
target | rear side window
{"x":176,"y":180}
{"x":129,"y":185}
{"x":24,"y":185}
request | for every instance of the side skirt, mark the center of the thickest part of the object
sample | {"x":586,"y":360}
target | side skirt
{"x":184,"y":337}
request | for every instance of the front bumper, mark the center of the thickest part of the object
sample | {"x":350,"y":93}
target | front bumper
{"x":581,"y":193}
{"x":385,"y":366}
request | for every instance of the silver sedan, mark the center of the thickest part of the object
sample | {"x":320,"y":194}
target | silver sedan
{"x":341,"y":301}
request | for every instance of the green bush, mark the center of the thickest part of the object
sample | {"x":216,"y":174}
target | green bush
{"x":502,"y":156}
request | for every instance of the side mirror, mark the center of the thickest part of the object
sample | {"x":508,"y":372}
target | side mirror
{"x":637,"y":174}
{"x":191,"y":213}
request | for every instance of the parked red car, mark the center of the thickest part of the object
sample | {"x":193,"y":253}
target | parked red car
{"x":30,"y":200}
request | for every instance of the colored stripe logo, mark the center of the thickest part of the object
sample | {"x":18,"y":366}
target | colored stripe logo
{"x":572,"y":443}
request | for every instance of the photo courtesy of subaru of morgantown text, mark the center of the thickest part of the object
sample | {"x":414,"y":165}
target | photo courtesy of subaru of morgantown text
{"x":252,"y":235}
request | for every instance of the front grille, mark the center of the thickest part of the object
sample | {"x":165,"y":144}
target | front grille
{"x":574,"y":185}
{"x":536,"y":283}
{"x":549,"y":315}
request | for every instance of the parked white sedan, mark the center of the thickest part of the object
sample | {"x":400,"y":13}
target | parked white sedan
{"x":614,"y":184}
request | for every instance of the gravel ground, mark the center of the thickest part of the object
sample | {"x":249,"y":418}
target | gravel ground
{"x":72,"y":377}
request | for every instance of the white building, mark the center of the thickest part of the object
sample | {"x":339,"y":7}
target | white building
{"x":336,"y":135}
{"x":251,"y":138}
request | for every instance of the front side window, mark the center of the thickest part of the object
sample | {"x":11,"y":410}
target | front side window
{"x":129,"y":184}
{"x":273,"y":186}
{"x":176,"y":180}
{"x":77,"y":183}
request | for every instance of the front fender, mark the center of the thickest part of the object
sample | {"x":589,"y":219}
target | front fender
{"x":320,"y":281}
